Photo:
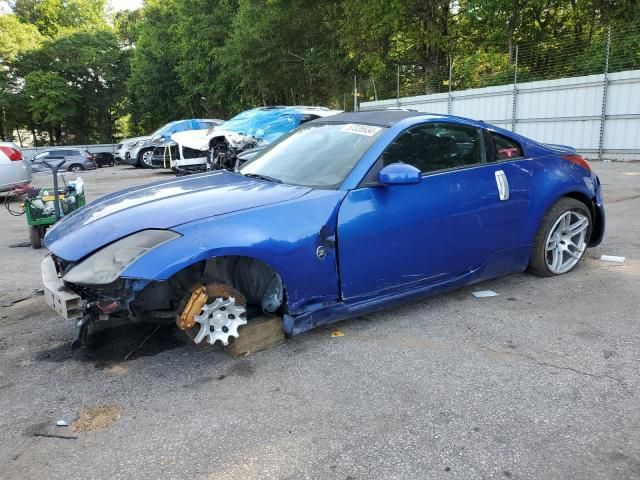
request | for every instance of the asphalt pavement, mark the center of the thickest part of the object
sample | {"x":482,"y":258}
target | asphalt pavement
{"x":541,"y":381}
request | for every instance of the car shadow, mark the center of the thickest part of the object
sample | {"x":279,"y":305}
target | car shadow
{"x":118,"y":344}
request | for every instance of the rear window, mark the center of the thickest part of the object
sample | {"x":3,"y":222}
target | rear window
{"x":504,"y":148}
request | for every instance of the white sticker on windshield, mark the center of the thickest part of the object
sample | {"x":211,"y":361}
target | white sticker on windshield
{"x":366,"y":130}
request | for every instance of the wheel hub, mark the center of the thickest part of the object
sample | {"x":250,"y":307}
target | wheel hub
{"x":220,"y":320}
{"x":566,"y":242}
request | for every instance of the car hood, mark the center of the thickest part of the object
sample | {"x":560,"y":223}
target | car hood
{"x":199,"y":139}
{"x":128,"y":141}
{"x":161,"y":205}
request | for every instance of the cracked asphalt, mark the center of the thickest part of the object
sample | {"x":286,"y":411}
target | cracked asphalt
{"x":539,"y":382}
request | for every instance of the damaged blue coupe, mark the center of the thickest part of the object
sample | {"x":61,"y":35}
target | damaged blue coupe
{"x":345,"y":215}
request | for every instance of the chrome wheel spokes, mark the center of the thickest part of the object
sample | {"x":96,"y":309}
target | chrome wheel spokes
{"x":566,"y":242}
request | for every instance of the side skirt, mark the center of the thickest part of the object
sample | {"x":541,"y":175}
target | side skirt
{"x":502,"y":263}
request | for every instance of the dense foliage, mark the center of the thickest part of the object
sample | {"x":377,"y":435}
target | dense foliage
{"x":71,"y":71}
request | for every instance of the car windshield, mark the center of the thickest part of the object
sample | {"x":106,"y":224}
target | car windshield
{"x":163,"y":130}
{"x":315,"y":155}
{"x":266,"y":125}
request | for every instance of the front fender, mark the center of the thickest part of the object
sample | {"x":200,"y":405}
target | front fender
{"x":285,"y":236}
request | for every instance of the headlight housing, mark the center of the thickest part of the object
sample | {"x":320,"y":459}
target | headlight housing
{"x":106,"y":265}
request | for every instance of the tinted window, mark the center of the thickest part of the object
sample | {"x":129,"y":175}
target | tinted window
{"x":58,"y":153}
{"x":307,"y":118}
{"x":437,"y":146}
{"x":504,"y":148}
{"x":41,"y":156}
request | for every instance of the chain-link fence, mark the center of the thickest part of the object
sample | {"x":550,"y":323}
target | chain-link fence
{"x":606,"y":50}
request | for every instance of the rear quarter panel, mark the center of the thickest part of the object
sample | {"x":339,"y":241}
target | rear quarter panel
{"x":552,"y":178}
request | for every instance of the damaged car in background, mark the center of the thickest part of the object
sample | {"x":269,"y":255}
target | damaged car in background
{"x":345,"y":215}
{"x":234,"y":142}
{"x":138,"y":151}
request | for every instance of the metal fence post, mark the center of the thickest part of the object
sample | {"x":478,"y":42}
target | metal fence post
{"x":398,"y":86}
{"x":514,"y":104}
{"x":605,"y":88}
{"x":355,"y":93}
{"x":449,"y":99}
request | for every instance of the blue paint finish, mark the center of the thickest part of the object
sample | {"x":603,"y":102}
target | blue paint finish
{"x":285,"y":236}
{"x":440,"y":229}
{"x":161,"y":205}
{"x":384,"y":243}
{"x":399,"y":174}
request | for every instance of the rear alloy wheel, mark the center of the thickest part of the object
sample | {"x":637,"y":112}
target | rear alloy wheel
{"x":562,"y":238}
{"x":75,"y":168}
{"x":145,"y":158}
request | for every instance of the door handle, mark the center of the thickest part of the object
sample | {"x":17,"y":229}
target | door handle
{"x":503,"y":185}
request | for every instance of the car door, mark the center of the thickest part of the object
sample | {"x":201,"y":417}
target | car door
{"x":401,"y":237}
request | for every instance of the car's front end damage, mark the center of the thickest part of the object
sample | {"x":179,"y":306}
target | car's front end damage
{"x":94,"y":289}
{"x":142,"y":256}
{"x":221,"y":147}
{"x":219,"y":150}
{"x":204,"y":299}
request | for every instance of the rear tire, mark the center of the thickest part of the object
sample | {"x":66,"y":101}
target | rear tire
{"x":75,"y":168}
{"x":35,"y":237}
{"x":562,"y":238}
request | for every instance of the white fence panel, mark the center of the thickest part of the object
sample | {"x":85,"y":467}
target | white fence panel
{"x":566,"y":111}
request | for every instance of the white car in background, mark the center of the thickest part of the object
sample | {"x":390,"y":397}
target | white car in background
{"x":126,"y":146}
{"x":221,"y":147}
{"x":14,"y":169}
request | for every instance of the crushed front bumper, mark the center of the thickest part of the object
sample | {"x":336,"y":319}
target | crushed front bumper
{"x":60,"y":298}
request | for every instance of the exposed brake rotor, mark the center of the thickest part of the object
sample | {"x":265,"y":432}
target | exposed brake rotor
{"x":220,"y":320}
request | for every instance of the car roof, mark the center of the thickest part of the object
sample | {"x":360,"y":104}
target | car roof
{"x":388,"y":118}
{"x":383,"y":118}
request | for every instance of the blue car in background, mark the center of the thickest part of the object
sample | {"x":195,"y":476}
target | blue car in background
{"x":345,"y":215}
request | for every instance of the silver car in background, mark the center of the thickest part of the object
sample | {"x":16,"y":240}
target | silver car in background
{"x":75,"y":160}
{"x":14,"y":169}
{"x":126,"y":146}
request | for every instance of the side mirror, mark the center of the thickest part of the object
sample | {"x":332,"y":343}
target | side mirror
{"x":399,"y":174}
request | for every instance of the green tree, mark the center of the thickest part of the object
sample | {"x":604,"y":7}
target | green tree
{"x":15,"y":38}
{"x":52,"y":101}
{"x":285,"y":51}
{"x":95,"y":67}
{"x":127,"y":26}
{"x":154,"y":86}
{"x":202,"y":29}
{"x":55,"y":16}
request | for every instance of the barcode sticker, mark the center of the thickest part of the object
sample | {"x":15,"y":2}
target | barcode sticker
{"x":366,"y":130}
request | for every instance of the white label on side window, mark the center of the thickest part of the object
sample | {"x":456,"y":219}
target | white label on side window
{"x":366,"y":130}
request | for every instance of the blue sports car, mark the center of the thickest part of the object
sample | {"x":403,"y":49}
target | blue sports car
{"x":344,"y":215}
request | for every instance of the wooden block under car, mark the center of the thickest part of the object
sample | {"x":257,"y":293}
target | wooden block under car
{"x":258,"y":334}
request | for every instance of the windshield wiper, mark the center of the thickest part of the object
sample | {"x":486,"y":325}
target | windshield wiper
{"x":262,"y":177}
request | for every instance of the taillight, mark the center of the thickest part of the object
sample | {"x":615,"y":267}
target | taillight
{"x":578,"y":160}
{"x":12,"y":153}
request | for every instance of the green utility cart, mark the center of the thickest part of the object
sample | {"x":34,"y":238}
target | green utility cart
{"x":40,"y":210}
{"x":43,"y":208}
